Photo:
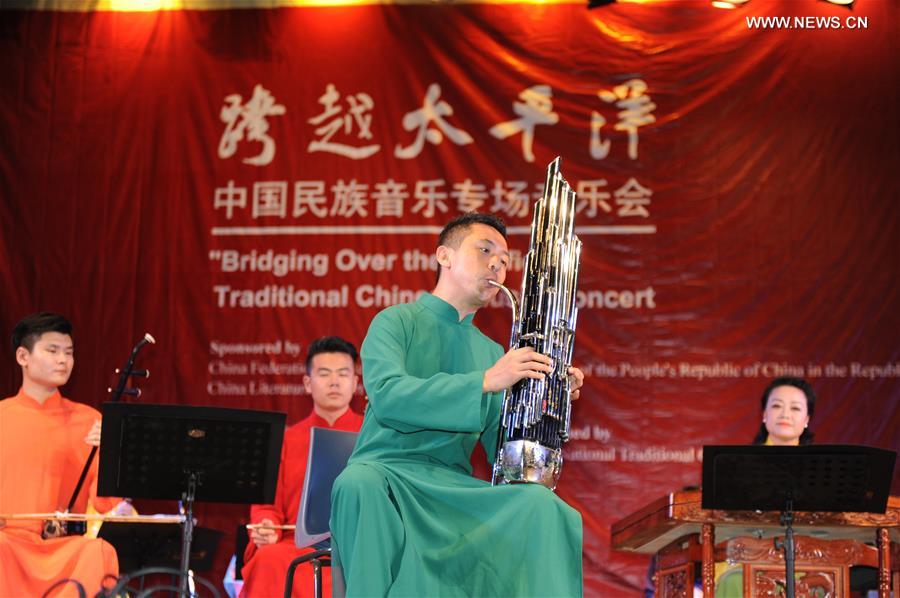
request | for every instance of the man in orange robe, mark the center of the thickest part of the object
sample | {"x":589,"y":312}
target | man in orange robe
{"x":44,"y":442}
{"x":331,"y":380}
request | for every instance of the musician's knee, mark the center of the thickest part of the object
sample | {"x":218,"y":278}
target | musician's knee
{"x":542,"y":502}
{"x":359,"y":483}
{"x":272,"y":559}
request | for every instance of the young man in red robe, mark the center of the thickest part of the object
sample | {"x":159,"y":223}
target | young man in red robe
{"x":331,"y":380}
{"x":44,"y":442}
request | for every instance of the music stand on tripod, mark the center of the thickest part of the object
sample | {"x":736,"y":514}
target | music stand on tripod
{"x":838,"y":478}
{"x":185,"y":453}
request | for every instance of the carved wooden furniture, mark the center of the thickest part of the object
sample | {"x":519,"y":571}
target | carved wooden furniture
{"x":681,"y":534}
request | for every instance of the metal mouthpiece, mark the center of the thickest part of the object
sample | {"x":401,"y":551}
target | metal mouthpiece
{"x":514,"y":304}
{"x":512,"y":298}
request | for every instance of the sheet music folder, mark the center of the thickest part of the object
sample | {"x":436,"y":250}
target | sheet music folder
{"x":836,"y":478}
{"x":148,"y":451}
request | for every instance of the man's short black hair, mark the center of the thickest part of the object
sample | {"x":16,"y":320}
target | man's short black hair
{"x":330,"y":344}
{"x":30,"y":328}
{"x":806,"y":437}
{"x":456,"y":230}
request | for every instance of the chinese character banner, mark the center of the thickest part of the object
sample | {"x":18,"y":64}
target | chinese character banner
{"x":240,"y":182}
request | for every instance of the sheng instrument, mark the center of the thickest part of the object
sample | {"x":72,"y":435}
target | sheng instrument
{"x":536,"y":414}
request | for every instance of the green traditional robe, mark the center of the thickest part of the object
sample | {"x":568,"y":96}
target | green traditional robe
{"x":407,"y":518}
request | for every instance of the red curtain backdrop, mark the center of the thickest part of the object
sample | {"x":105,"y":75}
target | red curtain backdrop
{"x":239,"y":182}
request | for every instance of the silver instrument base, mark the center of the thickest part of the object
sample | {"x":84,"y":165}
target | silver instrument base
{"x":526,"y":461}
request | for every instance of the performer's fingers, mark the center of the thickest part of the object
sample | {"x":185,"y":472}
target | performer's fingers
{"x":576,"y":377}
{"x":529,"y":354}
{"x":93,"y":436}
{"x":535,"y":375}
{"x":544,"y":366}
{"x":540,"y":357}
{"x":539,"y":365}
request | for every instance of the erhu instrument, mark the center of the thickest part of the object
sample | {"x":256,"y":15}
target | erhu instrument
{"x":51,"y":526}
{"x":65,"y":516}
{"x":535,"y":417}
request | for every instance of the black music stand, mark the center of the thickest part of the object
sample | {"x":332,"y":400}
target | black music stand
{"x":838,"y":478}
{"x":139,"y":545}
{"x":187,"y":453}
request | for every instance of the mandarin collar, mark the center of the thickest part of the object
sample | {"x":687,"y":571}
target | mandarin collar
{"x":321,"y":422}
{"x":444,"y":310}
{"x":29,"y":401}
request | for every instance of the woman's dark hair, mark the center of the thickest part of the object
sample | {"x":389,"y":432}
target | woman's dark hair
{"x":807,"y":436}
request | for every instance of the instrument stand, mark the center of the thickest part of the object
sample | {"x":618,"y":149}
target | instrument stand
{"x":785,"y":479}
{"x":187,"y":453}
{"x":787,"y":545}
{"x":187,"y":531}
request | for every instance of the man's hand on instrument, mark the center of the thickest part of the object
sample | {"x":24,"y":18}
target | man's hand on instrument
{"x":576,"y":381}
{"x":514,"y":366}
{"x":264,"y":535}
{"x":93,"y":436}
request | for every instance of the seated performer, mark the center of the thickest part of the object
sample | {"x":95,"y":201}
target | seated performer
{"x":331,"y":381}
{"x":787,"y":405}
{"x":44,"y":442}
{"x":407,"y":518}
